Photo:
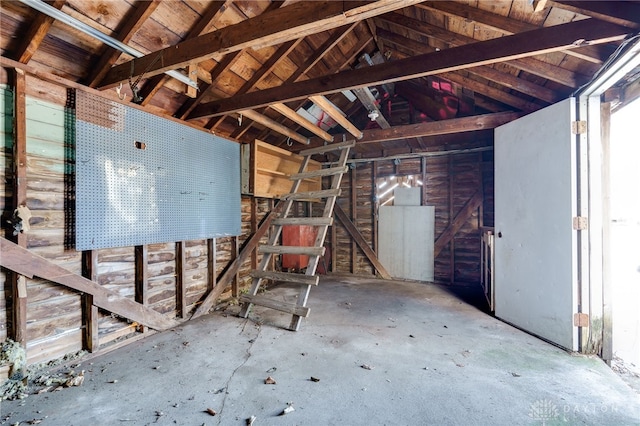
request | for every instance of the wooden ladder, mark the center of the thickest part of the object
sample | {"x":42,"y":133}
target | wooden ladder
{"x":299,"y":309}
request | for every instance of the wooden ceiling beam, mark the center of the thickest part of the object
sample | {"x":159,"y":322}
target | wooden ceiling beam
{"x":488,"y":72}
{"x":224,"y":64}
{"x":267,"y":29}
{"x":319,"y":53}
{"x":532,"y":65}
{"x":131,"y":25}
{"x":300,"y":120}
{"x":282,"y":52}
{"x":35,"y":34}
{"x":333,"y":112}
{"x":505,"y":25}
{"x":155,"y":83}
{"x":626,"y":13}
{"x":502,"y":49}
{"x":483,"y":88}
{"x":274,"y":125}
{"x":436,"y":128}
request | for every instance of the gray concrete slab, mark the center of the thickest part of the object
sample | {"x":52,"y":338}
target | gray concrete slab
{"x":434,"y":359}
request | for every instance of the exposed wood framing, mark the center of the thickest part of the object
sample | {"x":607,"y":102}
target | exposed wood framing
{"x":109,"y":56}
{"x":458,"y":221}
{"x":235,"y":290}
{"x":504,"y":79}
{"x":300,"y":120}
{"x":324,"y":104}
{"x":181,"y":287}
{"x":434,"y":128}
{"x":35,"y":34}
{"x":22,"y":261}
{"x":623,"y":13}
{"x":452,"y":39}
{"x":211,"y":264}
{"x":362,"y":243}
{"x":231,"y":271}
{"x":504,"y":24}
{"x":274,"y":125}
{"x":90,"y":314}
{"x":530,"y":43}
{"x":354,"y":217}
{"x":267,"y":29}
{"x":141,"y":259}
{"x":155,"y":84}
{"x":282,"y":52}
{"x":18,"y":283}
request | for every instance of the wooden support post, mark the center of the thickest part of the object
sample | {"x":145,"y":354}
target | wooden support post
{"x":254,"y":228}
{"x":234,"y":266}
{"x":181,"y":285}
{"x":141,"y":278}
{"x":374,"y":204}
{"x":452,"y":247}
{"x":211,"y":264}
{"x":90,"y":314}
{"x":423,"y":170}
{"x":235,"y":292}
{"x":359,"y":239}
{"x":18,"y":283}
{"x":354,"y":217}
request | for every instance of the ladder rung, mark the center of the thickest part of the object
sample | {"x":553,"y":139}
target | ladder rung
{"x":312,"y":194}
{"x":286,"y":277}
{"x":290,"y":308}
{"x":309,"y":251}
{"x":311,"y":221}
{"x":328,"y":148}
{"x":322,"y":172}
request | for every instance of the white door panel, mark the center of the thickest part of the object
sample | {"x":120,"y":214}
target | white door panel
{"x":535,"y":244}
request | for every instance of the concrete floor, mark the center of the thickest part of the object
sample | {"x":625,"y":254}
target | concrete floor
{"x":434,"y":359}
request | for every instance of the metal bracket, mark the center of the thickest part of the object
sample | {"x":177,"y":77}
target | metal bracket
{"x":580,"y":320}
{"x":580,"y":223}
{"x":578,"y":127}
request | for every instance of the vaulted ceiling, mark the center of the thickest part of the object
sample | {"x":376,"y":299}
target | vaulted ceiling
{"x":398,"y":75}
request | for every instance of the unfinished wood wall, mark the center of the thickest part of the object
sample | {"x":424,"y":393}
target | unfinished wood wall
{"x":450,"y":181}
{"x":54,"y":314}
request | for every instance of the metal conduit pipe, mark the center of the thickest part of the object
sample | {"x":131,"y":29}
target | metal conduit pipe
{"x":51,"y":11}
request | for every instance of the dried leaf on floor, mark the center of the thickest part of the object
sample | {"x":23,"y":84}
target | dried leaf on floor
{"x":211,"y":411}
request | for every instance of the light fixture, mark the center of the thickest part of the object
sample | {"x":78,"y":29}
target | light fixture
{"x":373,"y":115}
{"x":51,"y":11}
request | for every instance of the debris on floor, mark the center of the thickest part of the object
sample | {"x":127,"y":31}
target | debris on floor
{"x":288,"y":410}
{"x":314,"y":379}
{"x":269,"y":381}
{"x":366,"y":367}
{"x":250,"y":420}
{"x":211,"y":411}
{"x":38,"y":378}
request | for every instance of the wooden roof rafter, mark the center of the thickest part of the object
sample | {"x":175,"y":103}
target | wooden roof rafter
{"x":125,"y":33}
{"x":301,"y":71}
{"x":267,"y":29}
{"x":499,"y":77}
{"x":506,"y":48}
{"x":155,"y":83}
{"x":504,"y":25}
{"x":35,"y":34}
{"x":452,"y":39}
